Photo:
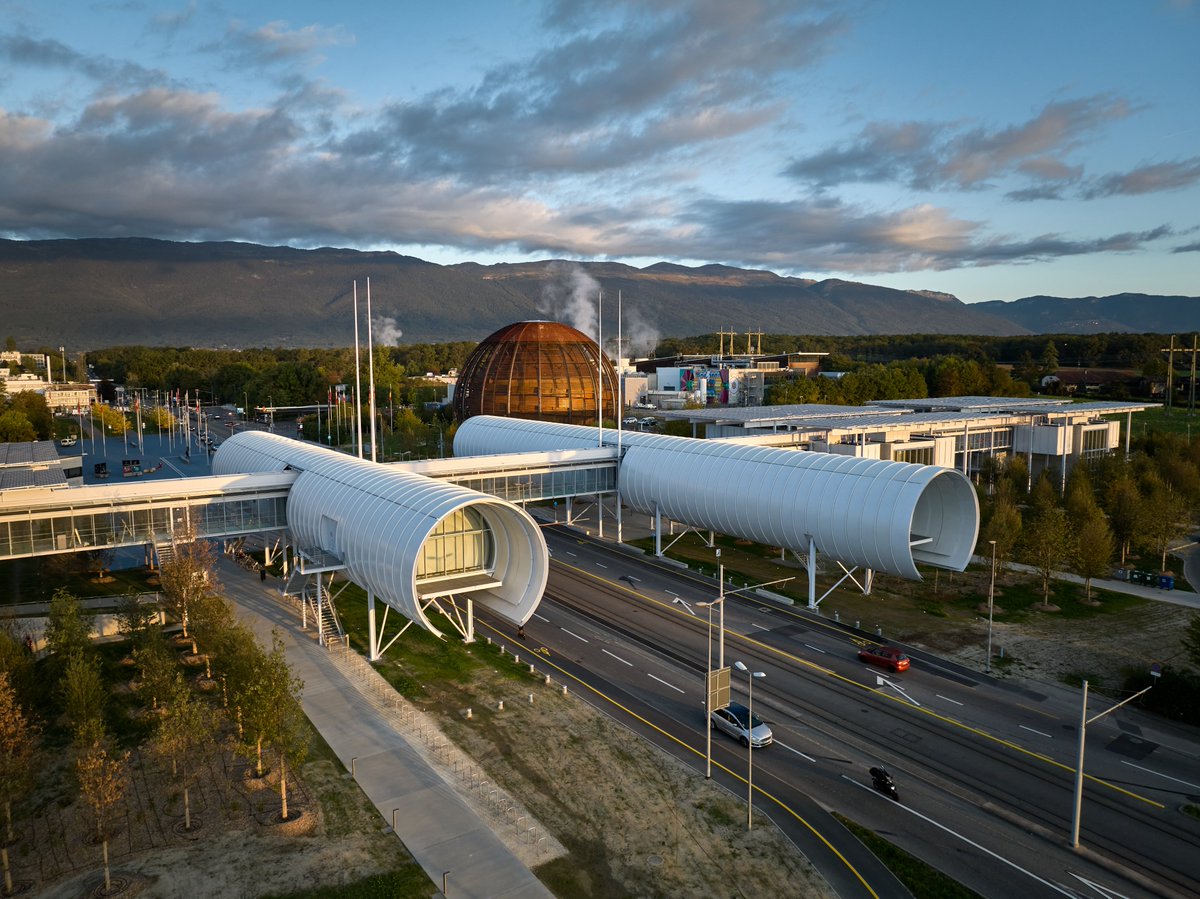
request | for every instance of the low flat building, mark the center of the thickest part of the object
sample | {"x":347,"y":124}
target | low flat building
{"x":39,"y":463}
{"x":1052,"y":433}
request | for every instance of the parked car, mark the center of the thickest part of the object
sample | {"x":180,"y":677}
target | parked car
{"x":885,"y":657}
{"x":629,"y":422}
{"x":67,"y":441}
{"x":648,"y":422}
{"x":735,"y":720}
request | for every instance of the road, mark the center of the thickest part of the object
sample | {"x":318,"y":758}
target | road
{"x":985,"y":768}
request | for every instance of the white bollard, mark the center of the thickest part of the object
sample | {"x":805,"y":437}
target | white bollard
{"x":501,"y":706}
{"x":564,"y":689}
{"x":468,"y":714}
{"x":531,"y":699}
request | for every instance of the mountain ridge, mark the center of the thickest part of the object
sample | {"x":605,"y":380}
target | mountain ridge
{"x":95,"y":292}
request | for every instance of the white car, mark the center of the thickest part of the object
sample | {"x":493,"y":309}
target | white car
{"x":733,"y":720}
{"x":67,"y":441}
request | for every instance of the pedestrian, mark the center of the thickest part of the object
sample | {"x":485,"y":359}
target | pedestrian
{"x":521,"y":632}
{"x":262,"y":574}
{"x":29,"y":644}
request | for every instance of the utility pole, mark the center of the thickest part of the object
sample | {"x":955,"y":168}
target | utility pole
{"x":1192,"y":392}
{"x":1170,"y":351}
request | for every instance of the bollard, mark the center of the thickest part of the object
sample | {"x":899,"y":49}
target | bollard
{"x":879,"y":630}
{"x":836,"y":615}
{"x":394,"y":819}
{"x":531,"y":699}
{"x":489,"y":639}
{"x":516,"y":659}
{"x":532,"y":670}
{"x":857,"y":624}
{"x":501,"y":706}
{"x":564,"y":689}
{"x":468,"y":714}
{"x":547,"y":680}
{"x":353,"y":767}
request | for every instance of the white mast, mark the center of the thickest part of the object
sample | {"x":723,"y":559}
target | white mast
{"x":357,"y":376}
{"x":600,"y":369}
{"x":371,"y":369}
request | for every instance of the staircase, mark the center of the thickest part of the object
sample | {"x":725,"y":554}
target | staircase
{"x":326,"y":618}
{"x":165,"y":553}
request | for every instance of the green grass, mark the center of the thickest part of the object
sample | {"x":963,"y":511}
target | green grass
{"x":36,"y":579}
{"x":1018,"y":600}
{"x":419,"y":658}
{"x":402,"y":884}
{"x":1179,"y":421}
{"x":1193,"y":810}
{"x":922,"y":881}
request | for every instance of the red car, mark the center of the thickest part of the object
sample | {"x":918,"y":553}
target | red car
{"x":884,"y":657}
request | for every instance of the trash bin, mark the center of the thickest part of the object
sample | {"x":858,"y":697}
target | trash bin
{"x":1122,"y":574}
{"x":1166,"y":581}
{"x":1135,"y":577}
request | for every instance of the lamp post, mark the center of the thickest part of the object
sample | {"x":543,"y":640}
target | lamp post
{"x":987,"y":667}
{"x":271,"y":423}
{"x":63,"y":350}
{"x":750,"y":676}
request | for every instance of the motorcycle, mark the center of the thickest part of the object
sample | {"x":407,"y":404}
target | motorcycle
{"x":881,"y":780}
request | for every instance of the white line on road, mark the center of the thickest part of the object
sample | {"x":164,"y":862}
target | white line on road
{"x":1106,"y":892}
{"x":815,"y":649}
{"x":665,"y":684}
{"x":759,"y":626}
{"x":601,"y":565}
{"x":797,"y":751}
{"x":540,"y":618}
{"x":881,"y":681}
{"x":947,"y":698}
{"x":630,"y":577}
{"x":576,"y":636}
{"x":617,"y":657}
{"x":1167,"y":776}
{"x":969,"y":842}
{"x":569,"y":553}
{"x":1038,"y":732}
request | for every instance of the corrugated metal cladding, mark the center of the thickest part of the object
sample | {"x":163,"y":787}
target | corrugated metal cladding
{"x":377,"y":519}
{"x":860,"y":511}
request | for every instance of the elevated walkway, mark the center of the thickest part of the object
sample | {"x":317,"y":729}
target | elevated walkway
{"x":45,"y":521}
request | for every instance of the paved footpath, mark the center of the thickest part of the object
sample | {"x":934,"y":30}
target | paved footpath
{"x":443,"y":834}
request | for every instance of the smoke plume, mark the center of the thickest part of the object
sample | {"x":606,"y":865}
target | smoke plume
{"x":384,"y":331}
{"x":570,"y":297}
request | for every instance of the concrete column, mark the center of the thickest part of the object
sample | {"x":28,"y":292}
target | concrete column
{"x":373,"y":647}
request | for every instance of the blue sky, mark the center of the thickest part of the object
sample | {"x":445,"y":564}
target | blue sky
{"x":990,"y":150}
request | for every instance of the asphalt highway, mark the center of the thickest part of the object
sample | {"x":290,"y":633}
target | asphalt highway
{"x":985,"y":769}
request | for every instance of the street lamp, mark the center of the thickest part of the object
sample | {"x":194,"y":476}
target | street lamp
{"x":991,"y":600}
{"x":750,"y":676}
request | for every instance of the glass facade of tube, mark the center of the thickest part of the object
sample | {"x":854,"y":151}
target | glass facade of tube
{"x":462,"y":542}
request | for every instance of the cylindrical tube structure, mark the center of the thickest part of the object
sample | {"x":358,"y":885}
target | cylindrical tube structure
{"x":882,"y":515}
{"x":406,"y":536}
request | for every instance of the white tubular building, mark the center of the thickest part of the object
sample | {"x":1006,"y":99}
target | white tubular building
{"x":409,"y":539}
{"x":885,"y":516}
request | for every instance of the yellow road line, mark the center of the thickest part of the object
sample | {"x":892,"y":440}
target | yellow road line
{"x":694,"y":751}
{"x":846,"y":680}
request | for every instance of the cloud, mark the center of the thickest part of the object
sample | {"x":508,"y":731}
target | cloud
{"x":24,"y":51}
{"x":938,"y":156}
{"x":614,"y":88}
{"x":1147,"y":179}
{"x":276,"y":43}
{"x":1187,"y":248}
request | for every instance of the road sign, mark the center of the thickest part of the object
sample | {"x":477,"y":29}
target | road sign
{"x":1156,"y":670}
{"x":718,"y":688}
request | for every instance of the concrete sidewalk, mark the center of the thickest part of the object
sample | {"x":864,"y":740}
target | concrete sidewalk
{"x":442,"y":832}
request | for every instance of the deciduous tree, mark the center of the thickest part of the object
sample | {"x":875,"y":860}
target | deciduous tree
{"x":103,"y":779}
{"x":187,"y":577}
{"x":181,"y":735}
{"x":18,"y":743}
{"x":1093,"y":547}
{"x":1046,"y":544}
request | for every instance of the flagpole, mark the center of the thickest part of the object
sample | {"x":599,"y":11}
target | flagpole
{"x":371,"y":369}
{"x":357,"y":378}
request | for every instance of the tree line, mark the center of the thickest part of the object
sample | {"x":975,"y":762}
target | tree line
{"x":246,"y":701}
